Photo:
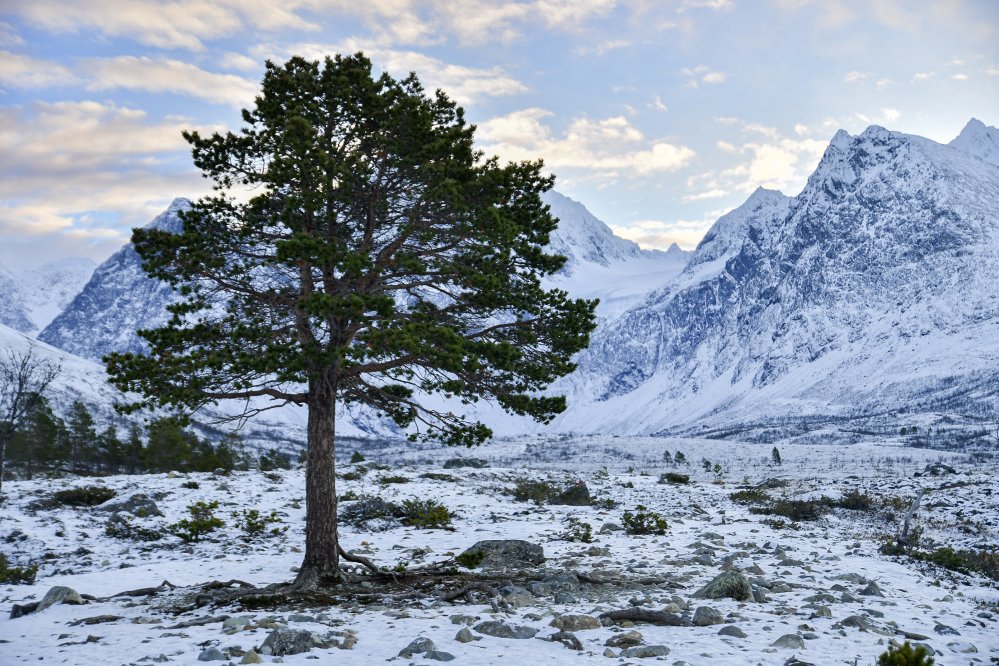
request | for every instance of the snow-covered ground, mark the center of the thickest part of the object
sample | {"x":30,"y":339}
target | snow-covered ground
{"x":835,"y":556}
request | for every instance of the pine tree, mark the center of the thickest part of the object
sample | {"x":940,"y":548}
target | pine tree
{"x":775,"y":457}
{"x":81,"y":437}
{"x":380,"y":260}
{"x":36,"y":445}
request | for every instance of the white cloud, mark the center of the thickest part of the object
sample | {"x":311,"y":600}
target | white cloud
{"x":657,"y":104}
{"x":857,"y":77}
{"x":169,"y":76}
{"x":923,"y":76}
{"x":726,"y":147}
{"x":21,"y":71}
{"x":660,"y":234}
{"x":960,"y":77}
{"x":603,"y":149}
{"x":714,"y":77}
{"x":702,"y":74}
{"x":709,"y":4}
{"x":9,"y":35}
{"x":240,"y":62}
{"x":891,"y":115}
{"x":993,"y":70}
{"x":604,"y":47}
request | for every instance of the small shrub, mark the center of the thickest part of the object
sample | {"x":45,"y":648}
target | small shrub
{"x":385,"y":480}
{"x":254,"y":524}
{"x":190,"y":485}
{"x":84,"y":496}
{"x":349,"y":496}
{"x":438,"y":476}
{"x":274,"y":459}
{"x":643,"y":521}
{"x":796,"y":510}
{"x":578,"y":531}
{"x":906,"y":656}
{"x":273,"y":477}
{"x":123,"y":528}
{"x":750,"y":496}
{"x":474,"y":463}
{"x":355,"y":474}
{"x":426,"y":514}
{"x":674,"y":478}
{"x":779,"y":524}
{"x":775,"y":457}
{"x":539,"y":492}
{"x":962,"y":561}
{"x":855,"y":501}
{"x":471,"y":558}
{"x":16,"y":575}
{"x":202,"y":521}
{"x":604,"y":503}
{"x":357,"y":457}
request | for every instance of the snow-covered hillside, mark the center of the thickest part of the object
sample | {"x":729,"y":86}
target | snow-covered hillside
{"x":33,"y":299}
{"x":872,"y":290}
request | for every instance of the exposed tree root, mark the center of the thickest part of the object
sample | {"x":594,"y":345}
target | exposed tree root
{"x":351,"y":557}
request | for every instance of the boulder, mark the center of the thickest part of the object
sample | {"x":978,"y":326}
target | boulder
{"x":644,"y":652}
{"x":793,"y":641}
{"x":733,"y":631}
{"x":575,"y":495}
{"x":475,"y":463}
{"x":566,"y":638}
{"x":283,"y":641}
{"x":60,"y":594}
{"x":139,"y":505}
{"x":728,"y":584}
{"x":576,"y":622}
{"x":417,"y":646}
{"x":514,"y":553}
{"x":705,"y":616}
{"x":500,"y":629}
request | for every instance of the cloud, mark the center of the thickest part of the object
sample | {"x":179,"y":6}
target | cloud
{"x":993,"y":70}
{"x":657,"y":104}
{"x":891,"y":115}
{"x":960,"y":77}
{"x":9,"y":35}
{"x":923,"y":76}
{"x":660,"y":234}
{"x":462,"y":83}
{"x":604,"y":149}
{"x":67,"y":159}
{"x":169,"y":76}
{"x":702,"y":74}
{"x":857,"y":77}
{"x":708,"y":4}
{"x":604,"y":47}
{"x":21,"y":71}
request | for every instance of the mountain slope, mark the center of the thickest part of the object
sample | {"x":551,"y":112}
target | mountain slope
{"x":871,"y":290}
{"x":980,"y":140}
{"x":118,"y":300}
{"x":13,"y":310}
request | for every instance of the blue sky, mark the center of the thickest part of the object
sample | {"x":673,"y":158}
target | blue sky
{"x":659,"y":115}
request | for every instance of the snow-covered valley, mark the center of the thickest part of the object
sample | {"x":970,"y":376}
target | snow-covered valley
{"x":822,"y":591}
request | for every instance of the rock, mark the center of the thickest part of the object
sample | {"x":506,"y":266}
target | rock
{"x":938,"y":469}
{"x":417,"y":646}
{"x":567,"y":639}
{"x":945,"y":630}
{"x":644,"y":652}
{"x":821,"y":611}
{"x":211,"y":654}
{"x":139,"y":505}
{"x":575,"y":495}
{"x":565,"y":598}
{"x":628,"y":639}
{"x":348,"y":642}
{"x":475,"y":463}
{"x":60,"y":594}
{"x":730,"y":584}
{"x":508,"y":553}
{"x":732,"y":630}
{"x":466,"y":636}
{"x":284,"y":641}
{"x":237,"y":622}
{"x":609,"y":653}
{"x":299,"y":617}
{"x":705,"y":616}
{"x":794,"y":661}
{"x":467,"y":620}
{"x":500,"y":629}
{"x":576,"y":622}
{"x":793,"y":641}
{"x":863,"y":624}
{"x":608,"y":528}
{"x":438,"y":655}
{"x":872,"y":590}
{"x":251,"y":657}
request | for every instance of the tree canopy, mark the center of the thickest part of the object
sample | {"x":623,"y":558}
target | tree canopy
{"x":380,"y":259}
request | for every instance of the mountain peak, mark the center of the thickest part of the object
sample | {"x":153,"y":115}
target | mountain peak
{"x":169,"y":220}
{"x":980,"y":140}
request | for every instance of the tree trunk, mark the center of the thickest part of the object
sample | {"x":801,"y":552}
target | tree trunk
{"x":321,"y":565}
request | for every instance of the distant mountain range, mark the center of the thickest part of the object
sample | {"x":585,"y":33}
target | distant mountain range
{"x":33,"y":299}
{"x":872,"y":293}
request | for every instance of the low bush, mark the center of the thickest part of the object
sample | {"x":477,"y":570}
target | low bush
{"x":120,"y":527}
{"x":796,"y":510}
{"x":643,"y":521}
{"x":906,"y":655}
{"x":355,"y":474}
{"x":471,"y":558}
{"x":426,"y":514}
{"x":438,"y":476}
{"x":578,"y":531}
{"x":985,"y":562}
{"x":855,"y":501}
{"x":750,"y":496}
{"x":385,"y":480}
{"x":202,"y":521}
{"x":255,"y":524}
{"x":190,"y":485}
{"x":16,"y":575}
{"x":674,"y":478}
{"x":539,"y":492}
{"x":357,"y":457}
{"x":84,"y":496}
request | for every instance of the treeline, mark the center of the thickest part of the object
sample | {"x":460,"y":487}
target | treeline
{"x":46,"y":443}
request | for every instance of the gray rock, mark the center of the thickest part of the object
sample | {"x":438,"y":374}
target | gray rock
{"x":237,"y":622}
{"x":863,"y":624}
{"x":821,"y":611}
{"x":464,"y":635}
{"x":299,"y":617}
{"x":500,"y":629}
{"x":508,"y":553}
{"x":938,"y":469}
{"x":793,"y":641}
{"x":417,"y":646}
{"x":60,"y":594}
{"x":644,"y":652}
{"x":139,"y":505}
{"x":565,"y":598}
{"x":438,"y":655}
{"x":728,"y":584}
{"x":732,"y":630}
{"x":576,"y":622}
{"x":625,"y":640}
{"x":567,"y":639}
{"x":872,"y":590}
{"x":284,"y":641}
{"x":575,"y":495}
{"x":211,"y":654}
{"x":475,"y":463}
{"x":467,"y":620}
{"x":252,"y":657}
{"x":945,"y":630}
{"x":705,"y":616}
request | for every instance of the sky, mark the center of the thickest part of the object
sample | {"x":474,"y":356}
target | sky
{"x":658,"y":115}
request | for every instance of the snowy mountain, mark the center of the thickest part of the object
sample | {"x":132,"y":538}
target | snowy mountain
{"x":33,"y":299}
{"x":980,"y":140}
{"x":873,"y":290}
{"x":118,"y":300}
{"x":121,"y":299}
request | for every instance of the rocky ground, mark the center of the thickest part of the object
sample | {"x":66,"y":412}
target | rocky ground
{"x":727,"y":581}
